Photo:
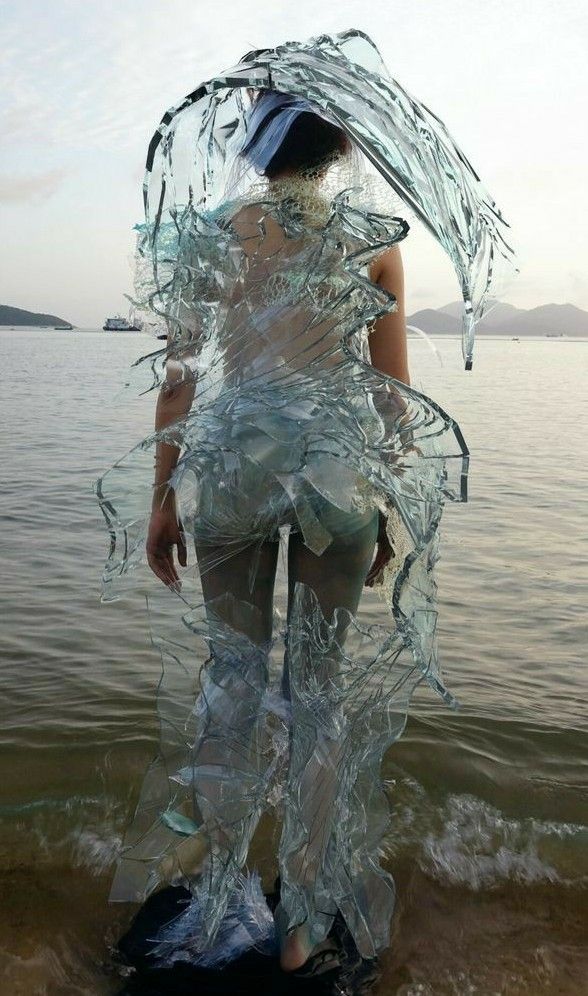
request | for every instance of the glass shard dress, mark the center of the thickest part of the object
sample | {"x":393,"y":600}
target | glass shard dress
{"x":263,"y":291}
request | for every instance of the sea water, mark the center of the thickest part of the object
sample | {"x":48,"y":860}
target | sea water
{"x":488,"y":840}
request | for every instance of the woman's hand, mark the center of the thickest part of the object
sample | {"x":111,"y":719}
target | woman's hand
{"x":165,"y":532}
{"x":384,"y":552}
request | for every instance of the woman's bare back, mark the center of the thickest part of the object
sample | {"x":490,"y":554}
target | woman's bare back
{"x":280,"y":319}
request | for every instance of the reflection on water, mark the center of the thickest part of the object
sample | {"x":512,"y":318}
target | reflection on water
{"x":489,"y":830}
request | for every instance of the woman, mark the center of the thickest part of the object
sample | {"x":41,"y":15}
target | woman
{"x":285,"y":399}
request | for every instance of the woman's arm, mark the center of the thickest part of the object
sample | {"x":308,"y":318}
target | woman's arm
{"x":165,"y":528}
{"x":173,"y":403}
{"x":387,"y":341}
{"x":388,"y":353}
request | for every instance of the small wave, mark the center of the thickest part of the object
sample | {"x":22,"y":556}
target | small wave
{"x":53,"y":969}
{"x":477,"y":846}
{"x":82,"y":831}
{"x":96,"y":849}
{"x":67,"y":805}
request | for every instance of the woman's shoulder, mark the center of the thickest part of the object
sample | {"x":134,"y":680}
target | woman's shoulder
{"x":281,"y":200}
{"x":237,"y":213}
{"x":251,"y":222}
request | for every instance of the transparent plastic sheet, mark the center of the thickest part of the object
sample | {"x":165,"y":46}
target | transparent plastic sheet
{"x":263,"y":291}
{"x":192,"y":155}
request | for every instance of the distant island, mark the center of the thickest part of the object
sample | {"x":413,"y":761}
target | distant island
{"x":505,"y":319}
{"x":16,"y":316}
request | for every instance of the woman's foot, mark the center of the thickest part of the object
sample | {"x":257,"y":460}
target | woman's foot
{"x":297,"y":954}
{"x":295,"y":947}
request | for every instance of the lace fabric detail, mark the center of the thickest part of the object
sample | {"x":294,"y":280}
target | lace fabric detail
{"x":301,"y":193}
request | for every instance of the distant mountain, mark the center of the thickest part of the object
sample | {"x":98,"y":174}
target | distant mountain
{"x":434,"y":322}
{"x":498,"y":314}
{"x":547,"y":320}
{"x":505,"y":319}
{"x":16,"y":316}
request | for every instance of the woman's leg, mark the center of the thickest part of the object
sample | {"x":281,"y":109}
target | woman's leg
{"x":228,"y":763}
{"x":336,"y":578}
{"x":248,"y":575}
{"x":338,"y":575}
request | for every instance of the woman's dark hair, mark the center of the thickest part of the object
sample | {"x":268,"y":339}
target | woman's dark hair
{"x":309,"y":143}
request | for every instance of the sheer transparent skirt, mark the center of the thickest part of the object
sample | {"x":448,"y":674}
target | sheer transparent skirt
{"x":297,"y":721}
{"x":228,"y":762}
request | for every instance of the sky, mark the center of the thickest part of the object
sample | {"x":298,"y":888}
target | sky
{"x":83,"y":86}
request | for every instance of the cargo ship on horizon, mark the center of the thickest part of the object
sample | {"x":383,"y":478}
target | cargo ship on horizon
{"x":119,"y":324}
